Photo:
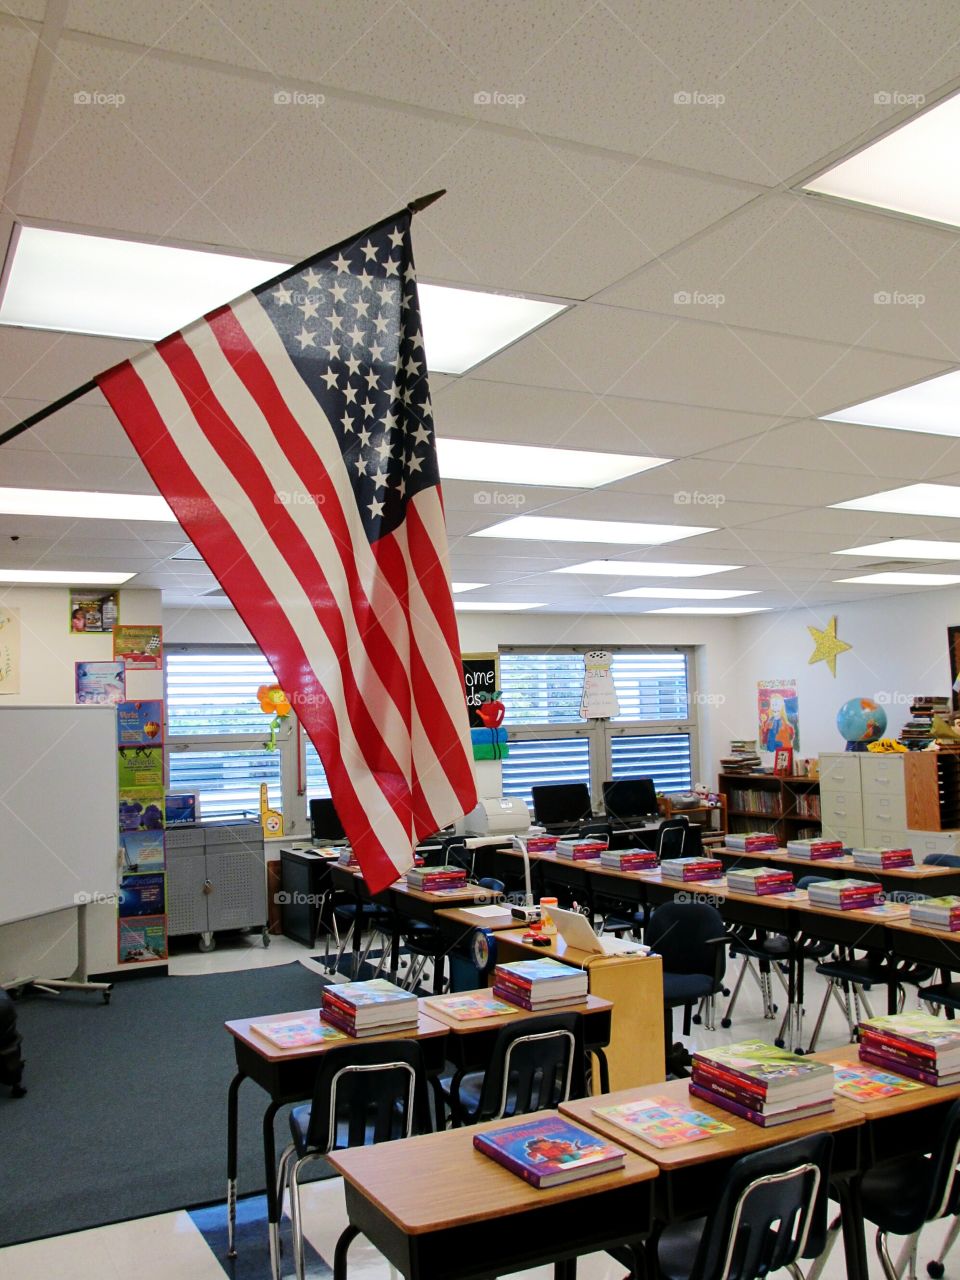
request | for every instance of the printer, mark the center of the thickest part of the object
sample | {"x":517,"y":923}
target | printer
{"x":497,"y":816}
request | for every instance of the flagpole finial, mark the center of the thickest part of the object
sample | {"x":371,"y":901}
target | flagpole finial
{"x":424,"y":202}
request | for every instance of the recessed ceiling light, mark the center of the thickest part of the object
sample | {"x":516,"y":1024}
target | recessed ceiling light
{"x":62,"y":578}
{"x":930,"y":407}
{"x":909,"y":500}
{"x":678,"y":593}
{"x":467,"y":586}
{"x":491,"y":606}
{"x":905,"y":579}
{"x":511,"y":464}
{"x":83,"y":505}
{"x":912,"y":170}
{"x":566,"y":529}
{"x":907,"y":549}
{"x":78,"y":283}
{"x":646,"y":568}
{"x":719,"y":610}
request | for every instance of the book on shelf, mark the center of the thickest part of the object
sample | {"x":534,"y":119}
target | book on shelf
{"x":867,"y":1084}
{"x":752,"y":841}
{"x":916,"y":1045}
{"x":580,"y":850}
{"x":882,"y":859}
{"x":759,"y":880}
{"x":628,"y":859}
{"x":470,"y":1006}
{"x":663,"y":1122}
{"x":691,"y":868}
{"x":297,"y":1033}
{"x":756,"y":800}
{"x":549,"y":1151}
{"x":845,"y":894}
{"x":815,"y":848}
{"x":937,"y":913}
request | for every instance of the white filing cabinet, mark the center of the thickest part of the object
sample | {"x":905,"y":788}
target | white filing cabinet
{"x":862,"y":802}
{"x":841,"y":797}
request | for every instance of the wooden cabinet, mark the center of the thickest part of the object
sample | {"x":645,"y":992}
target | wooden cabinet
{"x":932,"y":788}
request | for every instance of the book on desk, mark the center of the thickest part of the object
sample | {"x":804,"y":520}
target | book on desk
{"x":550,"y":1151}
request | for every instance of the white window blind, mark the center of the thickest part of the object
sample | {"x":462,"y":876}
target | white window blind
{"x":533,"y":761}
{"x":664,"y":757}
{"x":651,"y":686}
{"x":545,"y":688}
{"x":212,"y":692}
{"x":317,"y":786}
{"x":228,"y":782}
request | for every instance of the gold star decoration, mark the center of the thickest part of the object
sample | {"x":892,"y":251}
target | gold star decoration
{"x":827,"y":645}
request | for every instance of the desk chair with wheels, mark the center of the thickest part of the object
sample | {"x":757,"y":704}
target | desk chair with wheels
{"x":364,"y":1094}
{"x":770,"y":1213}
{"x":691,"y":941}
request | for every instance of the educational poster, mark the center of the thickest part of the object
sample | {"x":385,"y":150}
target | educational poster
{"x":9,"y":650}
{"x":481,"y":680}
{"x":139,"y":768}
{"x":141,"y":648}
{"x":777,"y":715}
{"x":140,"y":724}
{"x":142,"y":895}
{"x":141,"y":809}
{"x":142,"y":850}
{"x":94,"y":611}
{"x":100,"y":682}
{"x":142,"y":938}
{"x":599,"y":699}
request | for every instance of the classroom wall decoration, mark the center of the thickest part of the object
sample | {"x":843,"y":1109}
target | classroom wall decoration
{"x":141,"y":901}
{"x":828,"y":647}
{"x":599,"y":699}
{"x":9,"y":650}
{"x":481,"y":678}
{"x":141,"y":648}
{"x":94,"y":611}
{"x":100,"y":682}
{"x":778,"y":715}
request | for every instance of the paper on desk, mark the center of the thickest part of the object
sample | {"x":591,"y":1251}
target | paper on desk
{"x":488,"y":913}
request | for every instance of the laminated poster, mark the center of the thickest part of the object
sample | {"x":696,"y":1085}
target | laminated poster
{"x":142,"y":895}
{"x":140,"y":724}
{"x":96,"y":612}
{"x":100,"y":682}
{"x":142,"y":850}
{"x":141,"y":648}
{"x":141,"y":939}
{"x":140,"y":767}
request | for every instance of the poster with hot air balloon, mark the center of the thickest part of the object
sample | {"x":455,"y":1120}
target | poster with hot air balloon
{"x":140,"y":723}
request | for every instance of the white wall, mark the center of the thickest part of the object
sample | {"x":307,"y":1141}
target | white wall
{"x":47,"y":946}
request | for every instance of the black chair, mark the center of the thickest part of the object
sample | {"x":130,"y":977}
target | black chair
{"x":672,"y":838}
{"x":535,"y":1064}
{"x":363,"y":1094}
{"x":11,"y":1062}
{"x":770,"y":1212}
{"x":425,"y":942}
{"x":691,"y":942}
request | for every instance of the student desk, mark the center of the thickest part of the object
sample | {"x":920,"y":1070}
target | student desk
{"x":928,"y":946}
{"x":690,"y":1174}
{"x":288,"y":1076}
{"x":931,"y":881}
{"x":439,"y":1210}
{"x":634,"y":984}
{"x":865,"y":928}
{"x":420,"y":904}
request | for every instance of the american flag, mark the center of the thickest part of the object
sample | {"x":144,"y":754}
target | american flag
{"x":292,"y":434}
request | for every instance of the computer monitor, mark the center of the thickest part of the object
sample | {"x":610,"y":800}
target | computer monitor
{"x":182,"y":809}
{"x":557,"y":804}
{"x":325,"y":825}
{"x":628,"y":799}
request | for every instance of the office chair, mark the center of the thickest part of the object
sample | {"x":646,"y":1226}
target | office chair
{"x":363,"y":1094}
{"x":771,"y":1211}
{"x":535,"y":1064}
{"x":691,"y":941}
{"x":672,"y":838}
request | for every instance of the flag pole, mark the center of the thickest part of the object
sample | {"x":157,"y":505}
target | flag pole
{"x":415,"y":206}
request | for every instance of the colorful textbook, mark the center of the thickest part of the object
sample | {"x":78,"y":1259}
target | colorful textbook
{"x":550,"y":1151}
{"x":297,"y":1033}
{"x":864,"y":1084}
{"x":465,"y":1008}
{"x":663,"y":1122}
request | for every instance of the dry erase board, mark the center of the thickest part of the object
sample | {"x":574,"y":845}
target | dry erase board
{"x":58,"y":807}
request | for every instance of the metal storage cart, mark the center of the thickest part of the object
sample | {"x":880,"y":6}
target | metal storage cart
{"x":216,"y":880}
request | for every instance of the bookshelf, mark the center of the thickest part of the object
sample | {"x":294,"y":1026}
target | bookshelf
{"x":788,"y":807}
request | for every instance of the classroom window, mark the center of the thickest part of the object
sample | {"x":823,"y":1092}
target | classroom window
{"x":213,"y":692}
{"x":536,"y":760}
{"x":317,"y":786}
{"x":228,"y":782}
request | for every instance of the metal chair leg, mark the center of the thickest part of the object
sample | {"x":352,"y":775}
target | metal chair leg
{"x":283,"y":1173}
{"x":296,"y":1215}
{"x":883,"y":1253}
{"x":821,"y":1261}
{"x":936,"y":1267}
{"x":728,"y":1014}
{"x":820,"y":1016}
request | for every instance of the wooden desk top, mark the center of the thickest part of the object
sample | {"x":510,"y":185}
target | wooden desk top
{"x":887,"y":916}
{"x":559,"y":950}
{"x":466,"y":1026}
{"x":914,"y":1100}
{"x":719,"y":889}
{"x":427,"y":1028}
{"x":906,"y":925}
{"x":458,"y":915}
{"x":745,"y":1137}
{"x":440,"y":1180}
{"x":468,"y":893}
{"x":843,"y":862}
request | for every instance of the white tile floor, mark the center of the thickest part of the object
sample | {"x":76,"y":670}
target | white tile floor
{"x":171,"y":1246}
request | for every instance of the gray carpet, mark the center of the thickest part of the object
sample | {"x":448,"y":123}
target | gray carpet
{"x":126,"y":1108}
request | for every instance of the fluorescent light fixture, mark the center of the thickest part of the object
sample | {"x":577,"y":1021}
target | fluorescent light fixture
{"x":491,"y":606}
{"x":718,"y":611}
{"x":907,"y":549}
{"x":912,"y":170}
{"x":78,"y":283}
{"x":81,"y":504}
{"x":905,"y":579}
{"x":511,"y":464}
{"x":646,"y":568}
{"x":932,"y":407}
{"x":565,"y":529}
{"x":467,"y":586}
{"x":62,"y":578}
{"x":909,"y":500}
{"x":677,"y":593}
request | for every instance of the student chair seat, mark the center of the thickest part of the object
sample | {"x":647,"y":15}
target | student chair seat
{"x":363,"y":1094}
{"x":691,"y":941}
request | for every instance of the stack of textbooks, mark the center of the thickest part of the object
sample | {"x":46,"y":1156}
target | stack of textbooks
{"x":937,"y":913}
{"x":539,"y":984}
{"x":691,"y":868}
{"x":763,"y":1084}
{"x":846,"y":895}
{"x":373,"y":1008}
{"x":882,"y":859}
{"x":535,"y":844}
{"x":580,"y":850}
{"x":752,"y":841}
{"x":759,"y":880}
{"x":550,"y":1151}
{"x":917,"y":733}
{"x":628,"y":859}
{"x":915,"y":1045}
{"x":816,"y":849}
{"x":431,"y":878}
{"x":743,"y":757}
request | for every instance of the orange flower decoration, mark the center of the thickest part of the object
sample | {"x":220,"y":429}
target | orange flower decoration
{"x":273,"y":701}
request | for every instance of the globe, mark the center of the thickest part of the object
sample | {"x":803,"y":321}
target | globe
{"x":861,"y":720}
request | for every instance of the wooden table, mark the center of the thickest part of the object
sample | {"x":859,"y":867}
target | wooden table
{"x":931,"y":880}
{"x":288,"y":1076}
{"x":439,"y":1210}
{"x":690,"y":1174}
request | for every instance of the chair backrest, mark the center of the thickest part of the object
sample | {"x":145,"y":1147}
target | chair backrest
{"x":672,"y":837}
{"x":368,"y":1093}
{"x":772,"y":1210}
{"x":684,"y":935}
{"x":806,"y":881}
{"x":942,"y":860}
{"x":535,"y":1065}
{"x":492,"y":883}
{"x":945,"y":1182}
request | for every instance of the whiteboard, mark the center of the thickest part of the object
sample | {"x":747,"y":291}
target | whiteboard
{"x":58,"y":807}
